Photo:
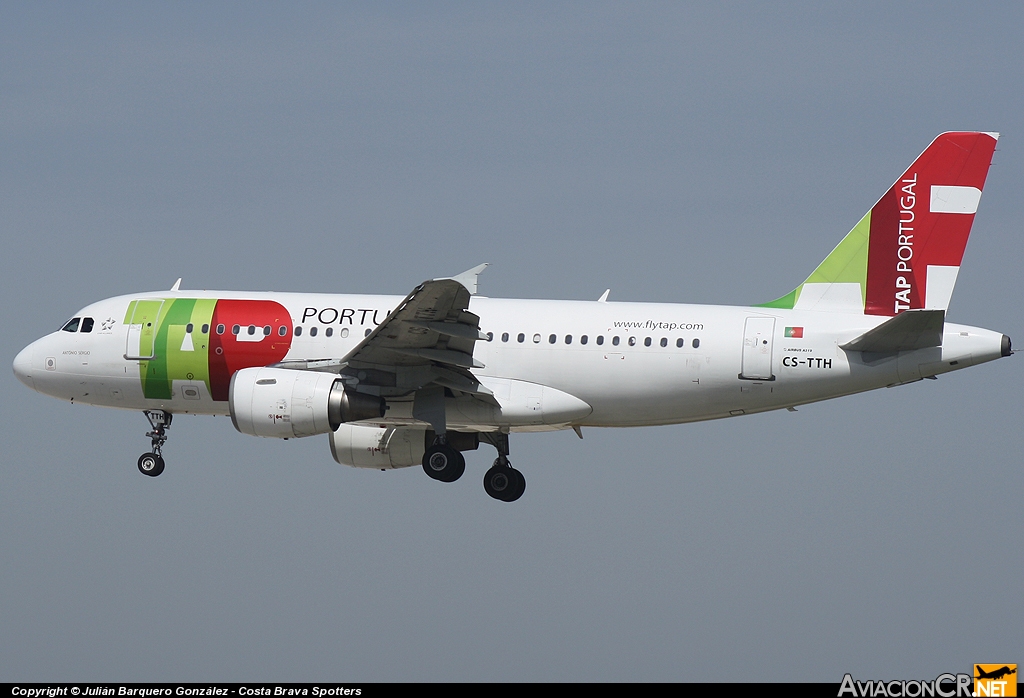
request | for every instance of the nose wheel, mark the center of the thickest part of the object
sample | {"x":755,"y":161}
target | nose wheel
{"x":152,"y":464}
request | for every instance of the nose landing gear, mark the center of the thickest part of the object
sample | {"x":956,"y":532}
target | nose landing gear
{"x":152,"y":464}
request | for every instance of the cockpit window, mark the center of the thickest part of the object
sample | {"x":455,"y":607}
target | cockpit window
{"x":72,"y":325}
{"x":87,"y":323}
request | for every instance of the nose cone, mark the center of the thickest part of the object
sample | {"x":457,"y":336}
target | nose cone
{"x":23,"y":366}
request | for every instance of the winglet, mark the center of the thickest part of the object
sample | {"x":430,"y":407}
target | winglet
{"x":470,"y":277}
{"x":604,"y":296}
{"x":177,"y":284}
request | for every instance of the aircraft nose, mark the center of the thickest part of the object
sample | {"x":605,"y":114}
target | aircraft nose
{"x":23,"y":366}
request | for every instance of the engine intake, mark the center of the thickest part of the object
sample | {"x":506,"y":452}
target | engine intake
{"x":284,"y":403}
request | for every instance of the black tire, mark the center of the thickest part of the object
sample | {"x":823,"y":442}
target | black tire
{"x":459,"y":469}
{"x":443,"y":463}
{"x":151,"y":464}
{"x":504,"y":483}
{"x":520,"y":488}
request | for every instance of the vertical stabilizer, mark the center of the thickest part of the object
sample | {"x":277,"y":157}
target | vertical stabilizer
{"x":905,"y":252}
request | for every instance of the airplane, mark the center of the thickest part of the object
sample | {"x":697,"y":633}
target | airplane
{"x":399,"y":381}
{"x":995,"y":674}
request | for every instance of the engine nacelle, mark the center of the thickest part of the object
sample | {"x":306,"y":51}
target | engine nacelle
{"x":378,"y":447}
{"x":284,"y":403}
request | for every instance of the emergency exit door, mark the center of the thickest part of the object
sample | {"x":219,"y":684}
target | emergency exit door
{"x":757,"y":348}
{"x":142,"y":326}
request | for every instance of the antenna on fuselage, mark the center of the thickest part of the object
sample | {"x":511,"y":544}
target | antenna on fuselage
{"x":177,"y":284}
{"x":604,"y":296}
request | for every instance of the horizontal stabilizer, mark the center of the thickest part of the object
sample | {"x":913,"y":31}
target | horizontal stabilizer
{"x":911,"y":329}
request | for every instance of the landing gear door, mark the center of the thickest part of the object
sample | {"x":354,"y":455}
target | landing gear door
{"x":758,"y":333}
{"x":142,"y":325}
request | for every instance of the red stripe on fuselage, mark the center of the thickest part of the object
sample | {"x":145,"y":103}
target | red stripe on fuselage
{"x":230,"y":353}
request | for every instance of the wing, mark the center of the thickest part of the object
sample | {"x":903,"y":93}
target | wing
{"x":427,"y":341}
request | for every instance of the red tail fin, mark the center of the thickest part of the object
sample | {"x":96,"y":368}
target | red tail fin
{"x":919,"y":228}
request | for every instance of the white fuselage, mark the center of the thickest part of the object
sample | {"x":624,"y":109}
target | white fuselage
{"x":562,"y":363}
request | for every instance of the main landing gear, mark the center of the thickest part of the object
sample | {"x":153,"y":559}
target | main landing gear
{"x":442,"y":462}
{"x":502,"y":481}
{"x":445,"y":463}
{"x":152,"y":464}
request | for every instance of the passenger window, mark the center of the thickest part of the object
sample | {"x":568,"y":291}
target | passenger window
{"x":266,"y":330}
{"x":696,"y":343}
{"x":615,"y":341}
{"x":680,"y":342}
{"x":206,"y":328}
{"x":344,"y":332}
{"x":647,"y":342}
{"x":504,"y":337}
{"x":312,"y":332}
{"x":583,"y":339}
{"x":298,"y":330}
{"x":72,"y":325}
{"x":600,"y":339}
{"x":282,"y":330}
{"x":490,"y":336}
{"x":632,"y":341}
{"x":536,"y":338}
{"x":367,"y":333}
{"x":521,"y":338}
{"x":568,"y":339}
{"x":86,"y":325}
{"x":189,"y":327}
{"x":552,"y":339}
{"x":252,"y":330}
{"x":235,"y":329}
{"x":220,"y":329}
{"x":329,"y":332}
{"x":664,"y":341}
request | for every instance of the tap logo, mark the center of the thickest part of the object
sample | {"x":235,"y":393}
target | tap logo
{"x":995,"y":680}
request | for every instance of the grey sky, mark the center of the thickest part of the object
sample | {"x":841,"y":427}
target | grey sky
{"x":673,"y":153}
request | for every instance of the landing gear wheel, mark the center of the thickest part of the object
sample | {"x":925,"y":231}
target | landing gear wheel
{"x":443,"y":463}
{"x":151,"y":464}
{"x":504,"y":483}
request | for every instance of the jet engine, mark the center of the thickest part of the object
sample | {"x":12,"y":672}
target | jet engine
{"x":285,"y":403}
{"x":378,"y":447}
{"x":390,"y":447}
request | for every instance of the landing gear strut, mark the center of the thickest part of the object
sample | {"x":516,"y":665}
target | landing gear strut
{"x":152,"y":464}
{"x":502,"y":481}
{"x":442,"y":462}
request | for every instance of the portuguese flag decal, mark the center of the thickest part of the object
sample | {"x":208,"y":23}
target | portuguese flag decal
{"x":795,"y":332}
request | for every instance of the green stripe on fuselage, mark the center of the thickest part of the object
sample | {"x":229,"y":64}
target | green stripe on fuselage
{"x":179,"y":355}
